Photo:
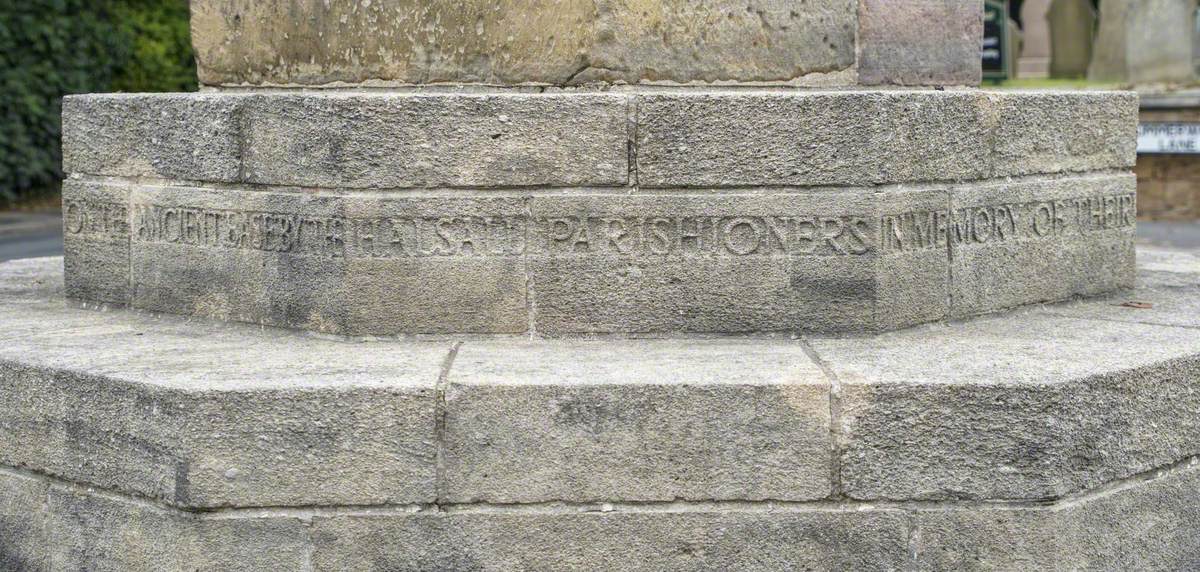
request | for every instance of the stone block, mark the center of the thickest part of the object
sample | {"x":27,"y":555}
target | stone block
{"x":1140,"y":524}
{"x":635,"y":421}
{"x":22,"y":523}
{"x":350,"y":264}
{"x":1015,"y":243}
{"x":707,"y":262}
{"x":88,"y":531}
{"x":1053,"y":132}
{"x":453,"y":140}
{"x":812,"y":139}
{"x":686,"y":540}
{"x":310,"y":42}
{"x":209,"y":415}
{"x":96,"y":241}
{"x":1025,"y":406}
{"x":920,"y":42}
{"x":194,"y":136}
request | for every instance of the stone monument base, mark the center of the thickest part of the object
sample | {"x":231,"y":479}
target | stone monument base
{"x":572,"y":213}
{"x":1053,"y":437}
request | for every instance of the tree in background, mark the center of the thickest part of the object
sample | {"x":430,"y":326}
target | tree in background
{"x":50,"y":48}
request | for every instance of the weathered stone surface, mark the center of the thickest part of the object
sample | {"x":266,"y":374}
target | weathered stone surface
{"x":1167,"y":293}
{"x":707,"y":262}
{"x":683,"y":139}
{"x":811,"y":138}
{"x":96,"y":241}
{"x":1144,"y":524}
{"x":1017,"y":243}
{"x":646,"y":420}
{"x":1052,"y":132}
{"x":176,"y":136}
{"x":209,"y":415}
{"x":520,"y":41}
{"x":1025,"y":406}
{"x":920,"y":42}
{"x":615,"y":541}
{"x":604,"y":261}
{"x":330,"y":263}
{"x":63,"y":527}
{"x":461,"y":140}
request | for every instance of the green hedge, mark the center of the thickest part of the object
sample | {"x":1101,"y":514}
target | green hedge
{"x":49,"y":48}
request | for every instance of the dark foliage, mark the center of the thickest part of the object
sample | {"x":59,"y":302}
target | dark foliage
{"x":49,"y":48}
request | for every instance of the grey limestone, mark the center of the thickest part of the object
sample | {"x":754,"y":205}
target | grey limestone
{"x":587,"y":262}
{"x":1030,"y":440}
{"x":96,"y":242}
{"x":202,"y":415}
{"x":1016,"y":243}
{"x":920,"y":42}
{"x":815,"y":138}
{"x":704,"y":262}
{"x":1053,"y":132}
{"x":173,"y":136}
{"x":1024,"y":406}
{"x":651,"y":420}
{"x":874,"y":540}
{"x":60,"y":526}
{"x":515,"y":42}
{"x":706,"y":139}
{"x":354,"y":264}
{"x":462,"y":140}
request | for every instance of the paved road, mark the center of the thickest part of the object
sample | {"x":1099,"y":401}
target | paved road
{"x":31,"y":245}
{"x":29,"y":235}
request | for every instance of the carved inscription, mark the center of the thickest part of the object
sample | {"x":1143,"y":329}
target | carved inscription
{"x":385,"y":237}
{"x":597,"y":234}
{"x":95,"y":218}
{"x":701,"y":235}
{"x":987,"y":224}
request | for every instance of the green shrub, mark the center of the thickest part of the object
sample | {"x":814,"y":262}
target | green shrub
{"x":49,"y":48}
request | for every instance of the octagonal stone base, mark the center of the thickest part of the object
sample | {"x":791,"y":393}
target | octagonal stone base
{"x":578,"y":213}
{"x":1057,"y":437}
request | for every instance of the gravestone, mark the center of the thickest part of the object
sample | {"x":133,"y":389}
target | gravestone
{"x":1072,"y":34}
{"x":1035,"y":36}
{"x":1145,"y":41}
{"x":594,"y":285}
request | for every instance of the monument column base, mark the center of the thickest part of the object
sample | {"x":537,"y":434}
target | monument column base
{"x":1051,"y":438}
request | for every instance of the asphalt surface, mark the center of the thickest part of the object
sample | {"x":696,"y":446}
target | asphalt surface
{"x":30,"y":235}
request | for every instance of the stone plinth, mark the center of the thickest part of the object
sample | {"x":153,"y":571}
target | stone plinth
{"x":573,"y":42}
{"x":1061,"y":437}
{"x":688,"y":211}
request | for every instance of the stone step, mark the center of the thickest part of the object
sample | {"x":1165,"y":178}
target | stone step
{"x":1032,"y":405}
{"x":1055,"y":437}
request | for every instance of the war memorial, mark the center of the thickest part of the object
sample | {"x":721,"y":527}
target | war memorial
{"x":599,"y":285}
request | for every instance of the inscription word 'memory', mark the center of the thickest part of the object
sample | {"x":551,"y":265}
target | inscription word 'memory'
{"x":1003,"y":222}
